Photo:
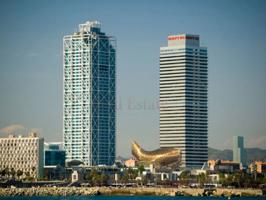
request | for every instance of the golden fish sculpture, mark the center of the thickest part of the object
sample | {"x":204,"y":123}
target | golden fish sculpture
{"x":159,"y":157}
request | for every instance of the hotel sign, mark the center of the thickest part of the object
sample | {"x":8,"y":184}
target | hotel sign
{"x":183,"y":37}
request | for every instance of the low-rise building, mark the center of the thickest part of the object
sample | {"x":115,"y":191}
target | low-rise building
{"x":76,"y":176}
{"x":131,"y":162}
{"x":258,"y":167}
{"x":215,"y":178}
{"x":226,"y":166}
{"x":54,"y":161}
{"x":54,"y":154}
{"x":197,"y":172}
{"x":24,"y":154}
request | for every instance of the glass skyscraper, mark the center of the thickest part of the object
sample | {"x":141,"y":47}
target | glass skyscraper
{"x":184,"y":98}
{"x":239,"y":150}
{"x":89,"y":116}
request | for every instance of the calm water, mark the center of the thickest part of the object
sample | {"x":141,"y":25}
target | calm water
{"x":128,"y":198}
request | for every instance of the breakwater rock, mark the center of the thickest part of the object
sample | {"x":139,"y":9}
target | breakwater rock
{"x":49,"y":191}
{"x":90,"y":191}
{"x":238,"y":192}
{"x":138,"y":191}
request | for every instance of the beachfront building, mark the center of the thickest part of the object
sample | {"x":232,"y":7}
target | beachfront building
{"x":89,"y":117}
{"x":184,"y":98}
{"x":225,"y":166}
{"x":22,"y":154}
{"x":258,"y":167}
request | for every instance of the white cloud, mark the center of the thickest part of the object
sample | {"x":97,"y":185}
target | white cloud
{"x":256,"y":142}
{"x":18,"y":129}
{"x":13,"y":129}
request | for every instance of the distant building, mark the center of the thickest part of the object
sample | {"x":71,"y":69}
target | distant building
{"x":215,"y":178}
{"x":167,"y":176}
{"x":211,"y":164}
{"x":258,"y":167}
{"x":226,"y":166}
{"x":238,"y":150}
{"x":22,"y":153}
{"x":184,"y":98}
{"x":197,"y":172}
{"x":54,"y":154}
{"x":130,"y":162}
{"x":89,"y":95}
{"x":54,"y":161}
{"x":119,"y":162}
{"x":76,"y":176}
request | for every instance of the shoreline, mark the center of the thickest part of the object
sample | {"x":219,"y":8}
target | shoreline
{"x":144,"y":191}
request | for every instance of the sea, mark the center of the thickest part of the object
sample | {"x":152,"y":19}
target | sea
{"x":130,"y":198}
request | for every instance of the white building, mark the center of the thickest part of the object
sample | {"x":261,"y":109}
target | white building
{"x":76,"y":176}
{"x":22,"y":153}
{"x":89,"y":118}
{"x":184,"y":98}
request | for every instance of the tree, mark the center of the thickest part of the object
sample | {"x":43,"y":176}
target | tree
{"x":129,"y":175}
{"x":125,"y":177}
{"x":28,"y":176}
{"x":13,"y":172}
{"x":19,"y":173}
{"x":104,"y":179}
{"x":141,"y":169}
{"x":96,"y":178}
{"x":201,"y":178}
{"x":237,"y":177}
{"x":4,"y":172}
{"x":229,"y":180}
{"x":184,"y":177}
{"x":221,"y":178}
{"x":246,"y":181}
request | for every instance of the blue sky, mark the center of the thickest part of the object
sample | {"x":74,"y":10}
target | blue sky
{"x":234,"y":31}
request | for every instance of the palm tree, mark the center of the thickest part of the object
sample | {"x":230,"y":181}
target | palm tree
{"x":33,"y":172}
{"x":27,"y":175}
{"x":19,"y":173}
{"x":141,"y":169}
{"x":202,"y":178}
{"x":13,"y":172}
{"x":104,"y":179}
{"x":4,"y":172}
{"x":94,"y":177}
{"x":236,"y":178}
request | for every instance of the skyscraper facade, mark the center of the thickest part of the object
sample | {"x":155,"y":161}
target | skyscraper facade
{"x":184,"y":98}
{"x":89,"y":119}
{"x":238,"y":149}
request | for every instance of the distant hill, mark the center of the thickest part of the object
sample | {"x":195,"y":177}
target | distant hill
{"x":256,"y":154}
{"x":216,"y":154}
{"x":252,"y":154}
